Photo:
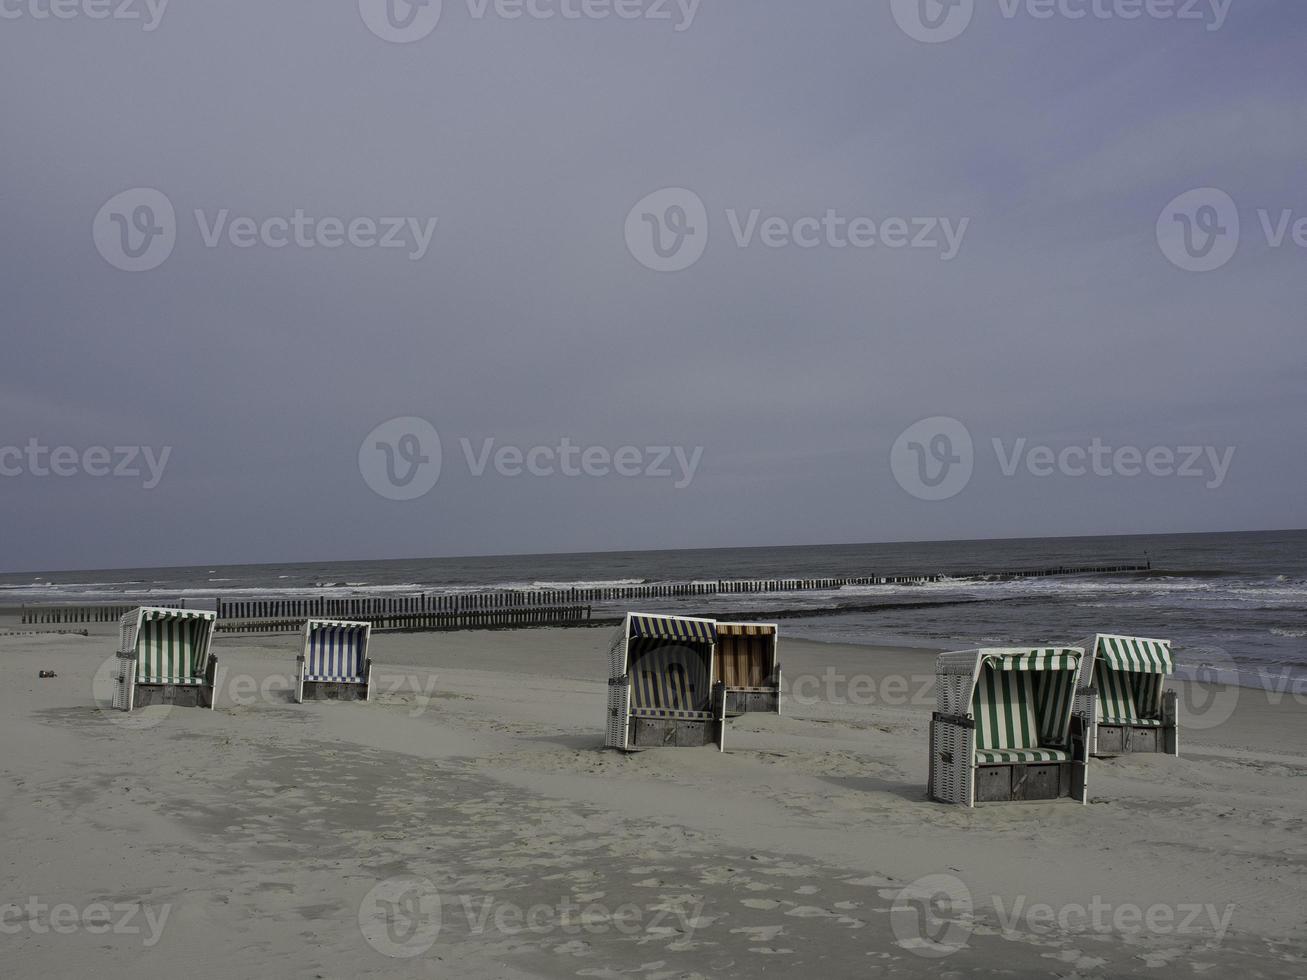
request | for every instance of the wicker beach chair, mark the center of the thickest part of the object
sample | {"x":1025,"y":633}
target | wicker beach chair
{"x":1122,"y":698}
{"x":334,"y":664}
{"x":747,"y":664}
{"x":163,"y":658}
{"x":1004,"y":730}
{"x":660,"y":690}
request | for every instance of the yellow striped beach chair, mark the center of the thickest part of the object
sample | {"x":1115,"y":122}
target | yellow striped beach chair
{"x":1004,"y":728}
{"x":660,"y":687}
{"x":747,"y":663}
{"x":1122,"y":695}
{"x":333,"y":662}
{"x":163,"y":658}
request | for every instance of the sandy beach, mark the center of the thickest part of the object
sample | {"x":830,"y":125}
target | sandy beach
{"x":266,"y":838}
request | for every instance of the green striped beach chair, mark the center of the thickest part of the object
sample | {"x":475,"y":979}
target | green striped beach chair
{"x":1122,"y":696}
{"x":1004,"y":729}
{"x":660,"y":684}
{"x":334,"y":664}
{"x":163,"y":658}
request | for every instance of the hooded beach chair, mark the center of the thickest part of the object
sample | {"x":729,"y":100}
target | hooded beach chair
{"x":334,"y":664}
{"x":660,"y":690}
{"x":1121,"y":696}
{"x":1004,"y":730}
{"x":746,"y":662}
{"x":163,"y":658}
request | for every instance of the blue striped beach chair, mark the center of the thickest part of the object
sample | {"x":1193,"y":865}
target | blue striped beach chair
{"x":747,"y":662}
{"x":334,"y":664}
{"x":660,"y":686}
{"x":1004,"y":728}
{"x":163,"y":658}
{"x":1122,"y":695}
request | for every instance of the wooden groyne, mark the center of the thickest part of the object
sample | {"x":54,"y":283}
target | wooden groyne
{"x":505,"y":608}
{"x":365,"y":607}
{"x":40,"y":615}
{"x":472,"y":619}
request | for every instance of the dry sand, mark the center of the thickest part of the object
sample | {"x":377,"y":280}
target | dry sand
{"x":474,"y":791}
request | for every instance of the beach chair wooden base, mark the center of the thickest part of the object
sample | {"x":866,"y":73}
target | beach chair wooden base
{"x":648,"y":733}
{"x":1110,"y":739}
{"x":177,"y":695}
{"x":333,"y":690}
{"x":745,"y":700}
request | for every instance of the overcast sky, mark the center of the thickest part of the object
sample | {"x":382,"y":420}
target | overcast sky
{"x":1060,"y":312}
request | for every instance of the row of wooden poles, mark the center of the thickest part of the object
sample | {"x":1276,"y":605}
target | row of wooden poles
{"x":488,"y":619}
{"x":32,"y":615}
{"x":555,"y":605}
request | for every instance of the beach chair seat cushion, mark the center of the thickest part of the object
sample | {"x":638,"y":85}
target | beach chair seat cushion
{"x":999,"y":756}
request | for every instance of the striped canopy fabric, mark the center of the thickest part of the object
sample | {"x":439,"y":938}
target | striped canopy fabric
{"x":172,"y":646}
{"x":335,"y":652}
{"x":668,"y":677}
{"x":673,"y":628}
{"x":1048,"y":659}
{"x":1023,"y":702}
{"x":1134,"y":655}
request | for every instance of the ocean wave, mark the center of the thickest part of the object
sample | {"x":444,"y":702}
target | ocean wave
{"x":1291,"y":634}
{"x":611,"y":583}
